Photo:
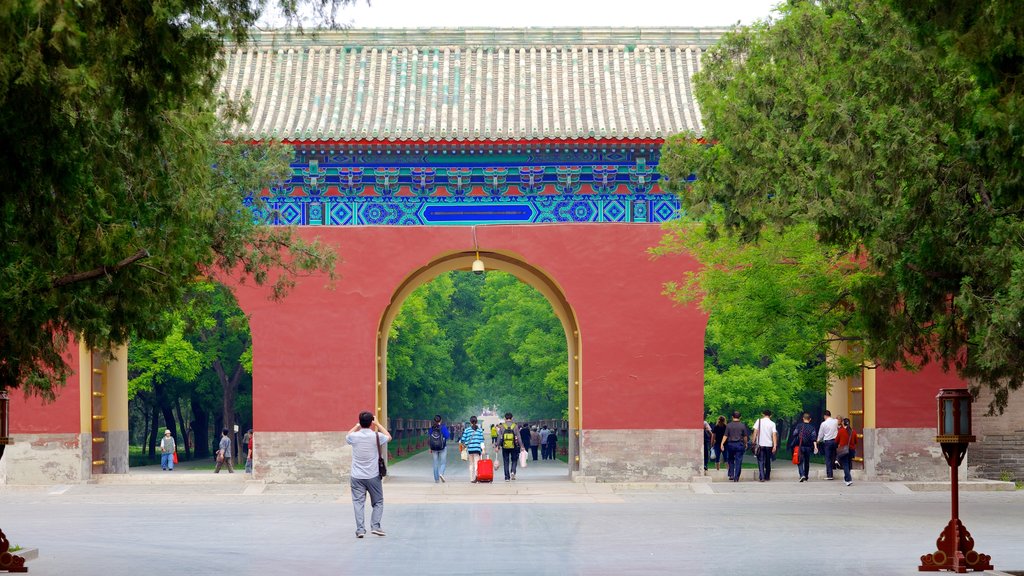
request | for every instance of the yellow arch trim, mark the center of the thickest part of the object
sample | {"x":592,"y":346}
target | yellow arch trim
{"x":518,"y":267}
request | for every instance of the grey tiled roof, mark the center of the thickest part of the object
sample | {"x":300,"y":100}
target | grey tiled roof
{"x":470,"y":84}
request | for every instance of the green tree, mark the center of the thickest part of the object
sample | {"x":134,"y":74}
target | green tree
{"x":520,"y":350}
{"x":204,"y":364}
{"x":420,"y":366}
{"x":159,"y":372}
{"x":836,"y":117}
{"x":463,"y":340}
{"x":110,"y":207}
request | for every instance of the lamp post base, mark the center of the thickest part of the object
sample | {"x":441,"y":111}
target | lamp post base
{"x":9,"y":562}
{"x":955,"y":552}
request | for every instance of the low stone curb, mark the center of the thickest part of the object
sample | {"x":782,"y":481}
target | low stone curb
{"x":968,"y":486}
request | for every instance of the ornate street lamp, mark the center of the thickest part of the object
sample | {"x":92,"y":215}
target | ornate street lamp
{"x":955,"y":546}
{"x":8,"y":562}
{"x":5,"y":430}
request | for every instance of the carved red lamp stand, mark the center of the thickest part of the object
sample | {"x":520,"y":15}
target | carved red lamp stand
{"x":955,"y":546}
{"x":8,"y":562}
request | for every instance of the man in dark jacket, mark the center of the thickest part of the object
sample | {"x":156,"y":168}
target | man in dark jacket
{"x":802,"y":437}
{"x":735,"y":441}
{"x":524,"y":436}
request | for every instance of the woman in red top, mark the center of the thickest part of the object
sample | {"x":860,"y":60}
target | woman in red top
{"x":846,"y":446}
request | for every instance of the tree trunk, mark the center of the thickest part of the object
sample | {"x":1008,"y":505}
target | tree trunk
{"x":168,"y":412}
{"x":200,"y":427}
{"x":230,"y":389}
{"x":152,"y":431}
{"x":184,"y":428}
{"x":145,"y":421}
{"x":218,"y":425}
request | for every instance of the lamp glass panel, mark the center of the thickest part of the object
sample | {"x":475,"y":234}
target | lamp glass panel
{"x":947,"y":417}
{"x":965,"y":416}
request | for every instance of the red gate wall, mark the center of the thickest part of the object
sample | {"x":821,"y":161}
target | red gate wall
{"x":642,"y":355}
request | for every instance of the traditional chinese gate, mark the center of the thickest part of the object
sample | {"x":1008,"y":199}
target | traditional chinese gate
{"x":414,"y":149}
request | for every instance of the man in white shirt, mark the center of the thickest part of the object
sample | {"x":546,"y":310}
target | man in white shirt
{"x":827,"y":433}
{"x":365,"y":476}
{"x":766,"y":436}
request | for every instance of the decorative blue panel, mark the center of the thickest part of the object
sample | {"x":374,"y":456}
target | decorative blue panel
{"x":464,"y":185}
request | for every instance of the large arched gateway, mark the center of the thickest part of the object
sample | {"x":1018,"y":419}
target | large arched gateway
{"x":414,"y":151}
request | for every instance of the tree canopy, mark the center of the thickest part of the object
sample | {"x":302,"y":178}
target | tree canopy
{"x":118,"y":187}
{"x":896,"y":150}
{"x":463,"y":341}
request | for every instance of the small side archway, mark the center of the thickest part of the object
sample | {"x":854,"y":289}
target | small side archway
{"x":525,"y":272}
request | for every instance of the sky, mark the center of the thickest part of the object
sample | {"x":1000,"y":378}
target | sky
{"x":539,"y":13}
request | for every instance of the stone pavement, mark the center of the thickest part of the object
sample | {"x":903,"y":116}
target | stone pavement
{"x":165,"y":523}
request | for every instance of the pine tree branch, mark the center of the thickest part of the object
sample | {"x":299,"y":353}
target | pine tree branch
{"x":101,"y":271}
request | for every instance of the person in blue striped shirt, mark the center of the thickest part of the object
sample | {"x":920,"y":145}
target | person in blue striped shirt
{"x":472,"y":442}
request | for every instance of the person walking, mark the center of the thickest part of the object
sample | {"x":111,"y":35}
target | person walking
{"x":846,"y":443}
{"x":534,"y":442}
{"x":472,"y":441}
{"x":766,"y":441}
{"x":224,"y":454}
{"x":510,"y":445}
{"x":735,"y":441}
{"x":494,"y":436}
{"x":167,"y":449}
{"x":247,"y":442}
{"x":826,"y":442}
{"x":437,"y":441}
{"x":544,"y":433}
{"x":525,"y":438}
{"x":708,"y":438}
{"x":802,"y":438}
{"x":718,"y":435}
{"x":553,"y":445}
{"x":367,"y":439}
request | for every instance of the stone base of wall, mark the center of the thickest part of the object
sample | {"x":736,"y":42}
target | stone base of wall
{"x":903,"y":454}
{"x":997,"y":456}
{"x":641,"y":455}
{"x":46,"y":459}
{"x":301,"y":457}
{"x":116,"y":452}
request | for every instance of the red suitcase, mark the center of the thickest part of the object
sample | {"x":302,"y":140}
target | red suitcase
{"x":485,"y":470}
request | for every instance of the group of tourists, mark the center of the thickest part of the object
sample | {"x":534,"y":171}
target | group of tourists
{"x":533,"y":438}
{"x":169,"y":449}
{"x":834,"y":438}
{"x":368,"y":440}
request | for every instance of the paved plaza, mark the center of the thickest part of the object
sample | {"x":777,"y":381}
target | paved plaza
{"x":193,"y":522}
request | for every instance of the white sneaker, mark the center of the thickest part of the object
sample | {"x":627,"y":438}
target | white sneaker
{"x":849,"y":483}
{"x":442,"y":478}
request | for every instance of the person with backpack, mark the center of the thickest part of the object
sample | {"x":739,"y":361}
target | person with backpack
{"x":472,"y":441}
{"x":508,"y":437}
{"x":802,"y":438}
{"x":437,"y":441}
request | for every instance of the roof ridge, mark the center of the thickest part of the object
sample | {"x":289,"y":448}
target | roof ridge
{"x":496,"y":37}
